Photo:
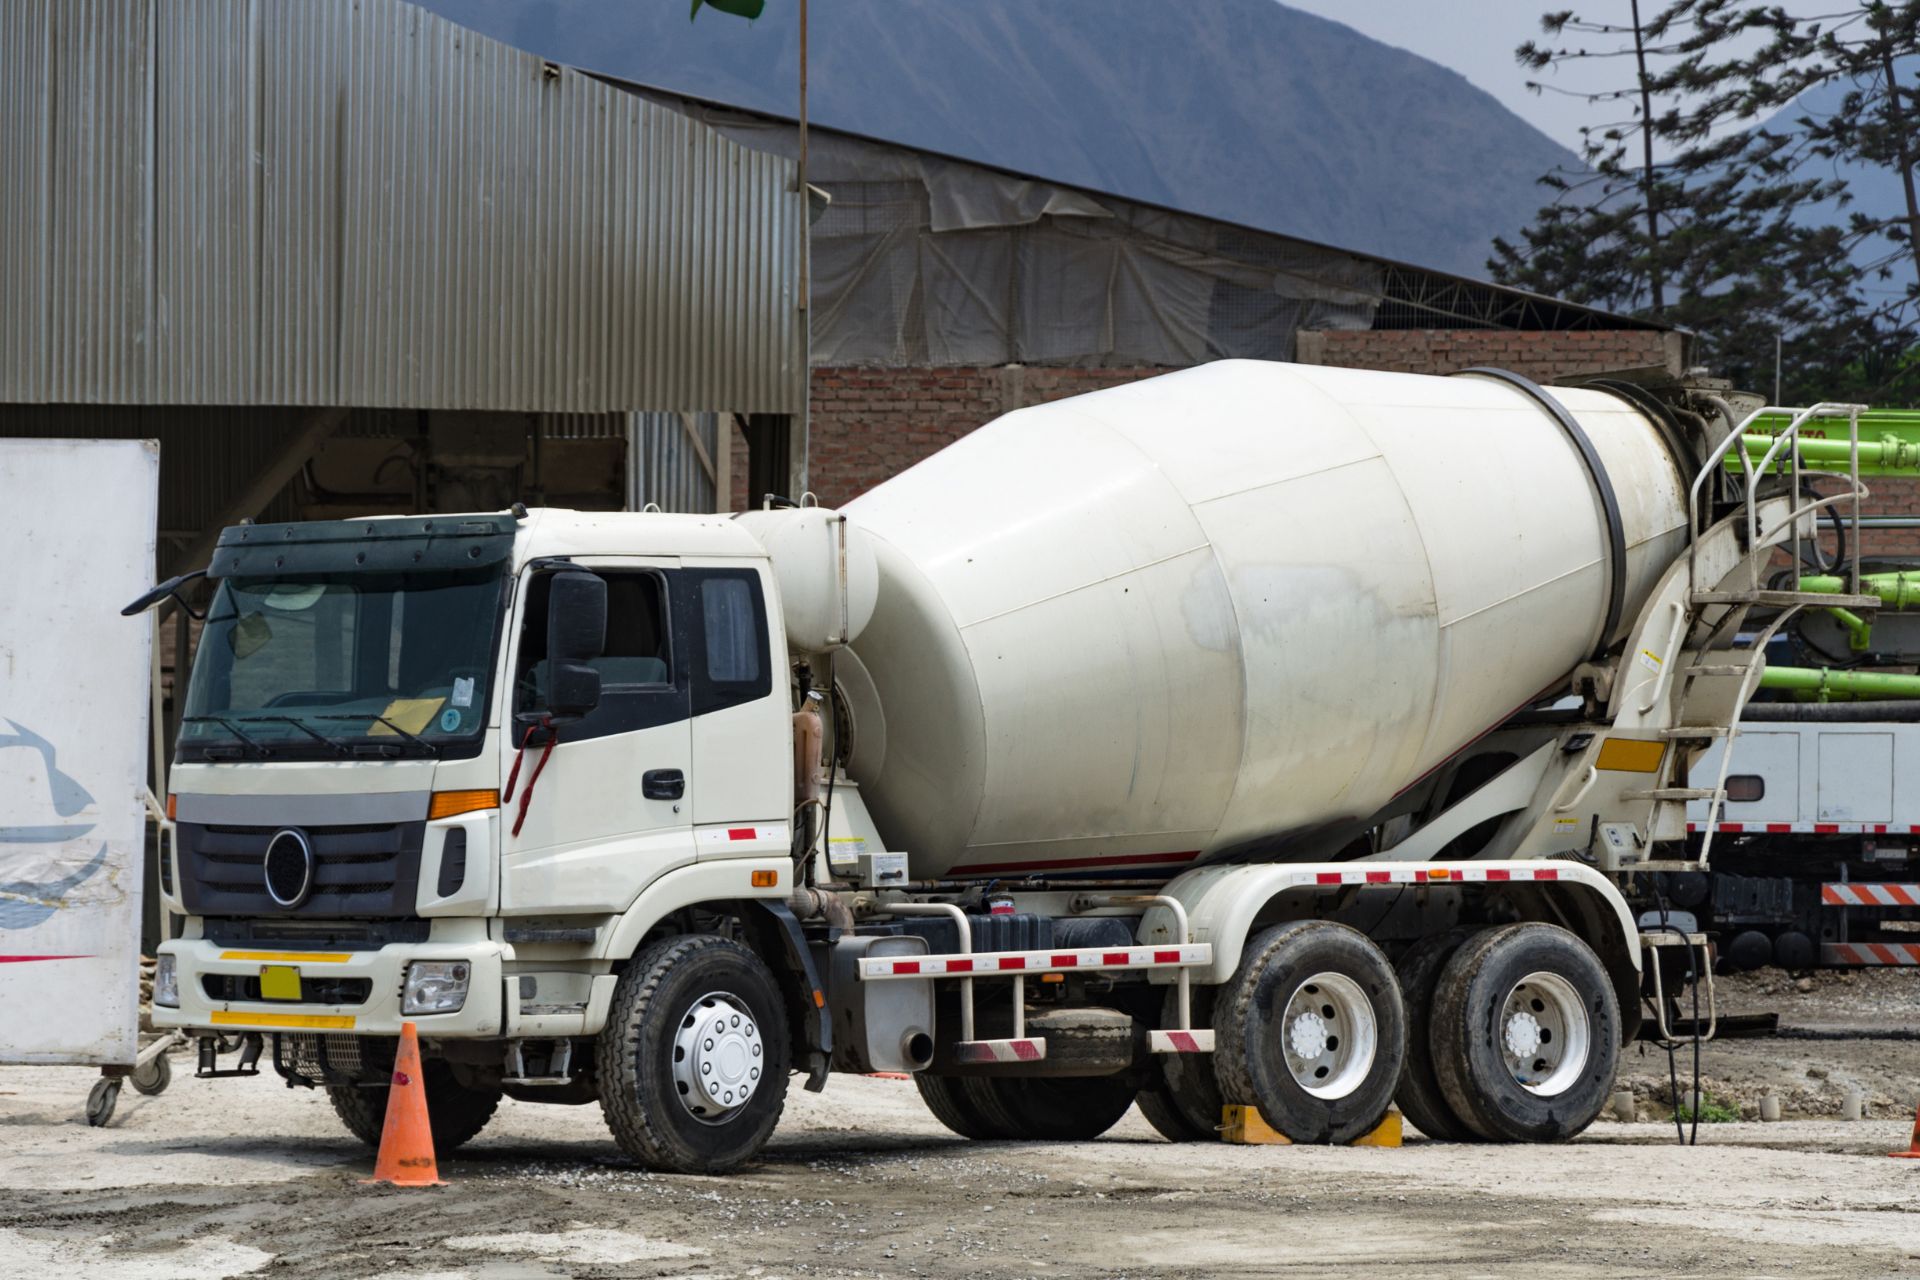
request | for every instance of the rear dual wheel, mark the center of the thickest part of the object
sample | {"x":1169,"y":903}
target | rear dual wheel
{"x":1032,"y":1108}
{"x":1311,"y":1031}
{"x":1525,"y":1034}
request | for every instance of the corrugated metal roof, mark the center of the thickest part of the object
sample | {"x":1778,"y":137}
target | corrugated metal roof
{"x":356,"y":202}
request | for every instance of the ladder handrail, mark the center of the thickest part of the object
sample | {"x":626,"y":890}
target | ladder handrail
{"x":1790,"y":434}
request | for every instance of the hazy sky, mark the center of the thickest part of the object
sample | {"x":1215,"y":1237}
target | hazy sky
{"x":1477,"y":38}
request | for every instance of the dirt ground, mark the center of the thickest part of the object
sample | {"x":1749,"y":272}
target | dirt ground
{"x":248,"y":1177}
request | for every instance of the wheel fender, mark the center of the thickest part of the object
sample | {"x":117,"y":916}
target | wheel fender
{"x":1224,"y":902}
{"x":728,"y":880}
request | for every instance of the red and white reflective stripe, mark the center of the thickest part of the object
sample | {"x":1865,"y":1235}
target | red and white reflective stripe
{"x":1180,"y":1041}
{"x":991,"y":962}
{"x":741,"y":835}
{"x":1024,"y":1050}
{"x":1870,"y":953}
{"x":1860,"y":894}
{"x":1808,"y":828}
{"x":1461,"y":872}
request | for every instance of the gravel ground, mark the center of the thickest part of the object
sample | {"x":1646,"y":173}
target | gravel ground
{"x":247,"y":1177}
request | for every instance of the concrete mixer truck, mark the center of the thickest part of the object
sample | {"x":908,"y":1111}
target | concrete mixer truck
{"x":1255,"y":734}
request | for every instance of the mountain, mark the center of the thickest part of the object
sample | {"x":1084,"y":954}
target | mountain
{"x":1243,"y":110}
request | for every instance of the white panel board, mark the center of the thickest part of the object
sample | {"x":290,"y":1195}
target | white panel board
{"x":78,"y":545}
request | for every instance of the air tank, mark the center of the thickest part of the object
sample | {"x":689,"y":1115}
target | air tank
{"x":1230,"y":611}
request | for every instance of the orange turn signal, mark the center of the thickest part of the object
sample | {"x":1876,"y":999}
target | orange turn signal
{"x":173,"y":808}
{"x":448,"y":804}
{"x":765,"y":879}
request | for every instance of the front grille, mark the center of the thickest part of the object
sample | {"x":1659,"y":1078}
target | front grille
{"x":364,"y":870}
{"x":315,"y":935}
{"x":225,"y":987}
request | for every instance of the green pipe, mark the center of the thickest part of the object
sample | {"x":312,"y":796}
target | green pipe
{"x":1896,"y":590}
{"x":1823,"y":684}
{"x":1888,"y":454}
{"x":1859,"y":630}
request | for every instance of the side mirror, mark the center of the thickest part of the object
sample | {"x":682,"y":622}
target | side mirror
{"x":171,"y":587}
{"x":573,"y":689}
{"x":576,"y":634}
{"x":576,"y":617}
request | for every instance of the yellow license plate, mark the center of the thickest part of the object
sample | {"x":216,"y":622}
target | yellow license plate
{"x":279,"y":982}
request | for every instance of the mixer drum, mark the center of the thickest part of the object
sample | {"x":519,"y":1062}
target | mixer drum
{"x":1226,"y":610}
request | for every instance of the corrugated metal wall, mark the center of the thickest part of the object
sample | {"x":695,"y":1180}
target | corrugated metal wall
{"x":302,"y":202}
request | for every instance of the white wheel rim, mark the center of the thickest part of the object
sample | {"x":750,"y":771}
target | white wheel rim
{"x":1544,"y":1034}
{"x":717,"y":1057}
{"x":1328,"y":1035}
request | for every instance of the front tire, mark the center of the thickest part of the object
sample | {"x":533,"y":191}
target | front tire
{"x":455,"y":1114}
{"x":1311,"y":1030}
{"x":1526,"y":1034}
{"x":693,"y":1060}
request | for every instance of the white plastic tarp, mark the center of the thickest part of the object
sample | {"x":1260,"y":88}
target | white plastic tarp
{"x":78,"y":545}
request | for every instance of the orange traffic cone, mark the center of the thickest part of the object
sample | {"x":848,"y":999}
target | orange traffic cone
{"x":406,"y":1139}
{"x":1913,"y":1144}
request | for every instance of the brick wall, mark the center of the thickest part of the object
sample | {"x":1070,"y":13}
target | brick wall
{"x":872,"y":423}
{"x":1541,"y":356}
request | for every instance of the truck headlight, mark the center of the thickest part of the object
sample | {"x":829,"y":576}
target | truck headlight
{"x":435,"y":986}
{"x":166,"y":983}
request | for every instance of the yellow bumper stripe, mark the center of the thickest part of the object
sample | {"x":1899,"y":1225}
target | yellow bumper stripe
{"x":290,"y":957}
{"x":301,"y":1021}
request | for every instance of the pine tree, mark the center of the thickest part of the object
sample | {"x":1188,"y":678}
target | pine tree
{"x":1688,"y":213}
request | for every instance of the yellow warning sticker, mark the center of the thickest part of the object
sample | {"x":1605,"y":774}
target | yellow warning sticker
{"x":1651,"y":661}
{"x":1630,"y":755}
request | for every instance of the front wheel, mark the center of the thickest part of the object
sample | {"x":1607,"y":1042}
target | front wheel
{"x":694,"y":1057}
{"x":1311,"y":1030}
{"x":455,"y":1113}
{"x":1526,"y":1034}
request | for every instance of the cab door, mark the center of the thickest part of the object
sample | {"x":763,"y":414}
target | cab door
{"x":608,"y":812}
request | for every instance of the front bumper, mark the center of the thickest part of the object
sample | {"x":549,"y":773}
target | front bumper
{"x":484,"y":1014}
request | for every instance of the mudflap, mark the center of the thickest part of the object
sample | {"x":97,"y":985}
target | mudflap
{"x":776,"y":935}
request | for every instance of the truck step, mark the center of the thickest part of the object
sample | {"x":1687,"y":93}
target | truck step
{"x":1696,"y":732}
{"x":1786,"y":599}
{"x":1673,"y":793}
{"x":1180,"y":1041}
{"x":1026,"y":1049}
{"x":531,"y":1081}
{"x":1718,"y":669}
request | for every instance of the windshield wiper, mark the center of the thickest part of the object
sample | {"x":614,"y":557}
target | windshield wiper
{"x":231,"y":728}
{"x":338,"y":747}
{"x":412,"y":740}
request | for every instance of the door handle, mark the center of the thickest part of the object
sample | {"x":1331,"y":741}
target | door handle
{"x":663,"y":784}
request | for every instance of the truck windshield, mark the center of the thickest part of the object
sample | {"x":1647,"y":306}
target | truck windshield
{"x":343,"y":665}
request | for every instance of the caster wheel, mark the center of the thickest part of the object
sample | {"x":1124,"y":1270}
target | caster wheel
{"x":153,"y":1078}
{"x":101,"y":1100}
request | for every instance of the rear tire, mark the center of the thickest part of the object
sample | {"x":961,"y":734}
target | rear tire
{"x":1183,"y":1102}
{"x":1311,"y":1031}
{"x":693,"y":1060}
{"x":455,"y":1114}
{"x":954,"y":1105}
{"x":1420,"y":1097}
{"x":1053,"y":1109}
{"x":1526,"y":1034}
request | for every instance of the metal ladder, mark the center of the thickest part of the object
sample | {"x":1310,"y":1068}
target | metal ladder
{"x":1715,"y":693}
